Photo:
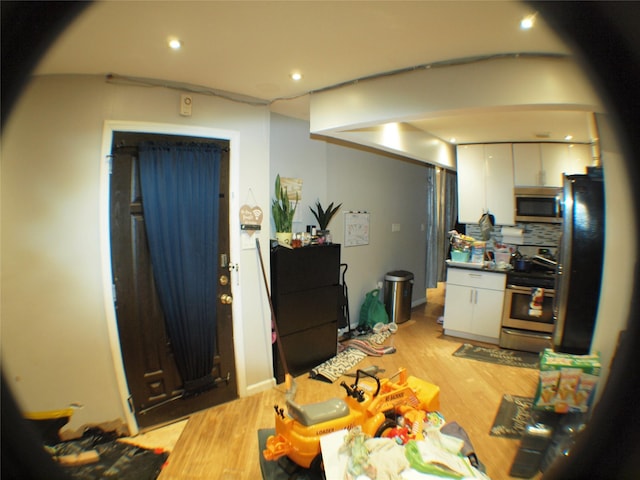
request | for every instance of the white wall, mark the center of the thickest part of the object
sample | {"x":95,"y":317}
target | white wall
{"x":293,"y":154}
{"x":55,"y":317}
{"x":391,"y":190}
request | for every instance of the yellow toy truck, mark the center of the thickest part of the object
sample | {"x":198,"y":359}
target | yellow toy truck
{"x":373,"y":406}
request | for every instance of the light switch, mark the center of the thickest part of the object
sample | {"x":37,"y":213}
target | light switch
{"x":395,"y":227}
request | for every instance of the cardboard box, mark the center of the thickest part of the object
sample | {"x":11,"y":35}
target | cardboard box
{"x":567,"y":383}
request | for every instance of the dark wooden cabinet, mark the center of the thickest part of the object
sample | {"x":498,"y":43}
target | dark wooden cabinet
{"x":306,"y":295}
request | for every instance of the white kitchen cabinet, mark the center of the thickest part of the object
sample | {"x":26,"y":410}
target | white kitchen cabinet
{"x":485,"y":183}
{"x":473,"y":304}
{"x":544,"y":164}
{"x":580,"y":157}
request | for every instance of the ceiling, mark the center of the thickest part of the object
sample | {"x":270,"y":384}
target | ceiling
{"x":251,"y":49}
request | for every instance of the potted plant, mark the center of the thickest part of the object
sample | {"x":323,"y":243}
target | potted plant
{"x":283,"y":212}
{"x":324,"y":216}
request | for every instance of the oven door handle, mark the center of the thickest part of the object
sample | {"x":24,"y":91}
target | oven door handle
{"x":519,"y":333}
{"x":520,"y":289}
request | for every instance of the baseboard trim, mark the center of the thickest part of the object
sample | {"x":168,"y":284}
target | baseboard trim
{"x":261,"y":386}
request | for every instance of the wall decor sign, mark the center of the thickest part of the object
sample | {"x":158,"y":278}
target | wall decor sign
{"x":356,"y":229}
{"x":250,"y":219}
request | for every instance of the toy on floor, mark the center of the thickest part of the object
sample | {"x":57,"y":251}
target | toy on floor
{"x":374,"y":406}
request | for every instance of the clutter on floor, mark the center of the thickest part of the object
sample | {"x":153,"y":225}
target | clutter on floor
{"x":48,"y":423}
{"x":334,"y":368}
{"x":351,"y":454}
{"x":373,"y":343}
{"x":352,"y":351}
{"x":383,"y":427}
{"x":98,"y":454}
{"x":566,"y":388}
{"x":164,"y":437}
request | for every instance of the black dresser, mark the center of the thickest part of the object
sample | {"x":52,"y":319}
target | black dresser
{"x":306,"y":295}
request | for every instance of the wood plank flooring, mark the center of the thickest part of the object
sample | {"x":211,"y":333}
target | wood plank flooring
{"x":221,"y":443}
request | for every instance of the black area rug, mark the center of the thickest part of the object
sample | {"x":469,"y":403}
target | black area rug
{"x":499,"y":356}
{"x":117,"y":460}
{"x":512,"y":417}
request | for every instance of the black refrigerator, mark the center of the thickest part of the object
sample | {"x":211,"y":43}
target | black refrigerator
{"x":580,"y":261}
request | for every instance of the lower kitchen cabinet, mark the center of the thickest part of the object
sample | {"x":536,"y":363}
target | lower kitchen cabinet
{"x":473,"y":304}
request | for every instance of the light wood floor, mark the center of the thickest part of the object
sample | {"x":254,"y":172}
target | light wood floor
{"x":221,"y":443}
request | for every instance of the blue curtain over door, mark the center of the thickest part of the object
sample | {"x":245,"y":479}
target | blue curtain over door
{"x":180,"y":191}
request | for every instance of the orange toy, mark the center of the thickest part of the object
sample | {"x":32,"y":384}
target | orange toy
{"x":298,"y":432}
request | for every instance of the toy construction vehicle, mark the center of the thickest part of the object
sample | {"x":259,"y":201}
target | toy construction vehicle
{"x":375,"y":406}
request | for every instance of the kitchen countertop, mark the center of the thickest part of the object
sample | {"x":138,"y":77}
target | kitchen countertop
{"x":484,"y":267}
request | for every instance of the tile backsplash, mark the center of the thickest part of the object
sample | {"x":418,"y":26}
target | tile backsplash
{"x":536,"y":235}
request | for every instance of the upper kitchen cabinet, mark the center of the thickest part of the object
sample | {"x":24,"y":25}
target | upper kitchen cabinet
{"x":544,"y":164}
{"x":485,"y":183}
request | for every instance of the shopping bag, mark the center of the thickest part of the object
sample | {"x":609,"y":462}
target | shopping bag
{"x":372,"y":311}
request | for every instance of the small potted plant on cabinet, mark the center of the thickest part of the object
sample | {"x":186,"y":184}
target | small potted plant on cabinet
{"x":324,"y":217}
{"x":283,"y":212}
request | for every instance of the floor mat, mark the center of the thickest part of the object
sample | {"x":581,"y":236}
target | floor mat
{"x":512,"y":417}
{"x":499,"y":356}
{"x":332,"y":369}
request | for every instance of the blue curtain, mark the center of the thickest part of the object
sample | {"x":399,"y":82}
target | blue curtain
{"x":180,"y":190}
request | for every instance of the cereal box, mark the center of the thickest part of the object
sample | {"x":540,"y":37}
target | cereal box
{"x":567,"y":383}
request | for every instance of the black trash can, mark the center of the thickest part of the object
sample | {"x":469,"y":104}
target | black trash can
{"x":398,"y":287}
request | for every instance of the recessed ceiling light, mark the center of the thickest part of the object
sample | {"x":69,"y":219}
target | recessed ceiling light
{"x":175,"y":44}
{"x":527,"y":22}
{"x":452,"y":140}
{"x":296,"y":76}
{"x":568,"y":137}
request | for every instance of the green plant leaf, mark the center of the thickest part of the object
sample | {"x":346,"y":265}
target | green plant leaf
{"x":324,"y":216}
{"x":281,"y":208}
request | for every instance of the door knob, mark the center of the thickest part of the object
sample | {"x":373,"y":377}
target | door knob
{"x":226,"y":299}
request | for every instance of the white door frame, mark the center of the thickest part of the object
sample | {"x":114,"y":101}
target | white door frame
{"x":111,"y":126}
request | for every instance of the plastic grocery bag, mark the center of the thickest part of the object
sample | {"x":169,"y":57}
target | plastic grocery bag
{"x":372,"y":311}
{"x":487,"y":221}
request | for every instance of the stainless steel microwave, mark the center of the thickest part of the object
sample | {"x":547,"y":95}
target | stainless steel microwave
{"x":538,"y":204}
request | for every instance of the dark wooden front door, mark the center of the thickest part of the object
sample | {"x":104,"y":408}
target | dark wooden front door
{"x":152,"y":376}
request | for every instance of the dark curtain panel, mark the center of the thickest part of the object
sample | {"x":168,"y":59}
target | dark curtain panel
{"x":180,"y":189}
{"x":442,"y":212}
{"x":449,"y":216}
{"x":432,"y":269}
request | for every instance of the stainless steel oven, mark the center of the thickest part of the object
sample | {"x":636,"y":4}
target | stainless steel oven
{"x":527,"y":314}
